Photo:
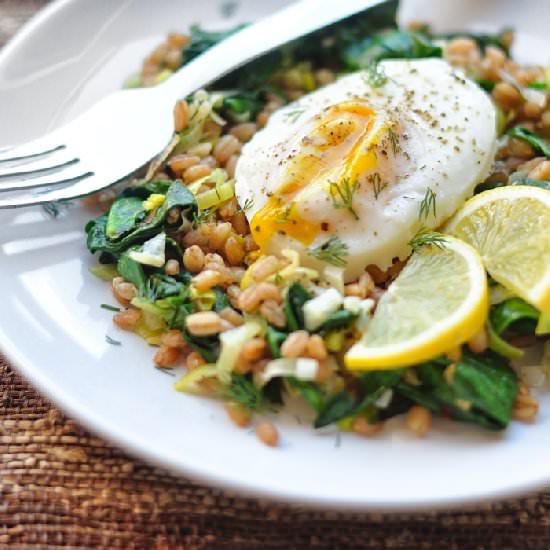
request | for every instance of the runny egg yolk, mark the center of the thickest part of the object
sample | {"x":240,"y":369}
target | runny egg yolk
{"x":338,"y":148}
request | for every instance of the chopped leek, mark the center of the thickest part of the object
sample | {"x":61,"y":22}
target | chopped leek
{"x":232,"y":342}
{"x":190,"y":382}
{"x":217,"y":196}
{"x":152,"y":252}
{"x":301,"y":368}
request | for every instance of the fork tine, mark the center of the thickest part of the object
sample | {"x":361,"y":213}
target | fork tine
{"x":74,"y":188}
{"x":31,"y":150}
{"x":59,"y":176}
{"x":33,"y":169}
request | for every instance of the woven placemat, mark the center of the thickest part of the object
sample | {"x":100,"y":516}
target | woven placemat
{"x":61,"y":487}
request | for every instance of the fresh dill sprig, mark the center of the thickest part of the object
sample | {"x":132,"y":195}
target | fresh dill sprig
{"x":112,"y":341}
{"x":377,"y":185}
{"x":342,"y":195}
{"x":333,"y":252}
{"x":202,"y":216}
{"x":295,"y":114}
{"x":242,"y":391}
{"x":394,"y":141}
{"x":428,"y":205}
{"x":56,"y":209}
{"x":164,"y":371}
{"x":426,"y":237}
{"x":286,"y":214}
{"x":109,"y":307}
{"x":375,"y":75}
{"x":248,"y":204}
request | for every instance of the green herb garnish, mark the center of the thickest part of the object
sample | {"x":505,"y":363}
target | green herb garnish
{"x":426,"y":237}
{"x":294,"y":114}
{"x":427,"y":205}
{"x":394,"y":141}
{"x":375,"y":75}
{"x":377,"y":185}
{"x":202,"y":216}
{"x":342,"y":195}
{"x":243,"y":391}
{"x":539,"y":144}
{"x":109,"y":308}
{"x":112,"y":341}
{"x":248,"y":204}
{"x":333,"y":252}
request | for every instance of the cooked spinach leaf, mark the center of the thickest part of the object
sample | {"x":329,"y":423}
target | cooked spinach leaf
{"x":161,"y":286}
{"x":395,"y":44}
{"x":310,"y":391}
{"x":133,"y":272}
{"x":202,"y":40}
{"x":482,"y":389}
{"x":295,"y":299}
{"x":514,"y":314}
{"x":337,"y":320}
{"x":98,"y":240}
{"x":482,"y":39}
{"x":532,"y":182}
{"x":275,"y":339}
{"x":124,"y":215}
{"x":539,"y":144}
{"x":207,"y":346}
{"x":345,"y":403}
{"x":221,"y":301}
{"x":242,"y":107}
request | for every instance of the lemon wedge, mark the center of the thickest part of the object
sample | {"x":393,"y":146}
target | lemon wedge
{"x":439,"y":301}
{"x":509,"y":227}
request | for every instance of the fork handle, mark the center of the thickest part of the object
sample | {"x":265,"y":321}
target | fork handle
{"x":296,"y":20}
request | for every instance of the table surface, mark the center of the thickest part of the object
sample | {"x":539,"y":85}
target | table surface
{"x":62,"y":487}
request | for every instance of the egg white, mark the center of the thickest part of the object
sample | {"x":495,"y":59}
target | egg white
{"x":445,"y":131}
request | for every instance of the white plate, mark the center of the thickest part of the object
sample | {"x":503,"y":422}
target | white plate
{"x":53,"y":330}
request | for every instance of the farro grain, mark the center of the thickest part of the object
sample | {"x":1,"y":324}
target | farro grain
{"x":234,"y":250}
{"x":123,"y":291}
{"x":274,"y":313}
{"x":238,"y":414}
{"x":227,"y":145}
{"x":207,"y":279}
{"x":244,"y":131}
{"x":193,"y":259}
{"x":200,"y":150}
{"x":181,"y":115}
{"x":194,"y":360}
{"x":193,"y":173}
{"x":167,"y":356}
{"x":264,"y":267}
{"x":204,"y":323}
{"x":361,"y":426}
{"x":316,"y":348}
{"x":253,"y":350}
{"x":127,"y":319}
{"x":172,"y":267}
{"x":173,"y":339}
{"x":480,"y":342}
{"x":251,"y":298}
{"x":179,"y":163}
{"x":267,"y":433}
{"x":295,"y":344}
{"x":234,"y":317}
{"x":419,"y":420}
{"x":231,"y":166}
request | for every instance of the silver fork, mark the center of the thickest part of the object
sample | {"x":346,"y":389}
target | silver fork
{"x":127,"y":129}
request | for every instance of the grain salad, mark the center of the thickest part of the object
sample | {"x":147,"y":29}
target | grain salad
{"x":320,"y":227}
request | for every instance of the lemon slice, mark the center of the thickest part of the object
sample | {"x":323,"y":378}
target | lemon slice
{"x":510,"y":228}
{"x":439,"y":301}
